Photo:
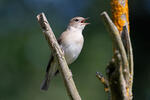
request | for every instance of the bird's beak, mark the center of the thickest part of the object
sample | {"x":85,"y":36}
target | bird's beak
{"x":83,"y":21}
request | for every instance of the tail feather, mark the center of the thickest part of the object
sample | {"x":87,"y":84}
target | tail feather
{"x":50,"y":73}
{"x":45,"y":84}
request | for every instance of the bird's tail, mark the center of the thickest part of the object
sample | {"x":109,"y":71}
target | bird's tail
{"x":50,"y":73}
{"x":46,"y":82}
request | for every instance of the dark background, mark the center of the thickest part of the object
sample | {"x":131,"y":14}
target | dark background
{"x":24,"y":52}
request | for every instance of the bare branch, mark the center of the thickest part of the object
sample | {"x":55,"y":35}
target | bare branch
{"x":117,"y":42}
{"x":130,"y":58}
{"x":103,"y":81}
{"x":63,"y":68}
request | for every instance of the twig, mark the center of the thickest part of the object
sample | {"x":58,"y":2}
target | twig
{"x":103,"y":81}
{"x":131,"y":67}
{"x":117,"y":42}
{"x":63,"y":67}
{"x":120,"y":70}
{"x":129,"y":49}
{"x":116,"y":80}
{"x":130,"y":58}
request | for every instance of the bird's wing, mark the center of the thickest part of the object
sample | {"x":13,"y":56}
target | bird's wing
{"x":52,"y":57}
{"x":49,"y":63}
{"x":51,"y":71}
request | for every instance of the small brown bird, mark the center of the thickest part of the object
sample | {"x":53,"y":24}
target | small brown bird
{"x":71,"y":42}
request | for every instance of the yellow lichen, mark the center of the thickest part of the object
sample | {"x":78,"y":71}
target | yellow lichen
{"x":127,"y":89}
{"x":106,"y":89}
{"x":117,"y":11}
{"x":102,"y":80}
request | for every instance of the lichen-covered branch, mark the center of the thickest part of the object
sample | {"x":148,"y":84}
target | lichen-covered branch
{"x":117,"y":42}
{"x":129,"y":51}
{"x":120,"y":17}
{"x":120,"y":69}
{"x":120,"y":14}
{"x":116,"y":79}
{"x":103,"y":80}
{"x":56,"y":50}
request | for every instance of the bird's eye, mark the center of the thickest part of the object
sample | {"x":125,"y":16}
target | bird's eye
{"x":76,"y":20}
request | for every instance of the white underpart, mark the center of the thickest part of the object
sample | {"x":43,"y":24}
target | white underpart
{"x":72,"y":45}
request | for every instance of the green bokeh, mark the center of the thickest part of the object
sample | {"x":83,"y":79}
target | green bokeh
{"x":24,"y":53}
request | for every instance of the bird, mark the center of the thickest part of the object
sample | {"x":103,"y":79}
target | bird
{"x":71,"y":42}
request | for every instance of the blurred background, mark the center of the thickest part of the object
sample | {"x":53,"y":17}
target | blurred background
{"x":24,"y":52}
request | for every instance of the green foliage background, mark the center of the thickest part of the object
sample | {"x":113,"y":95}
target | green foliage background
{"x":24,"y":52}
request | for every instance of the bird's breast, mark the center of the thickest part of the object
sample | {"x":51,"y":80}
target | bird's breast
{"x":72,"y":47}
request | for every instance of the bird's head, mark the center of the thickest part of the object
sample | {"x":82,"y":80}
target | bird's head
{"x":78,"y":22}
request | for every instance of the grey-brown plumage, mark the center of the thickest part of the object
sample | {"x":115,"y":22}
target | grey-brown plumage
{"x":71,"y":42}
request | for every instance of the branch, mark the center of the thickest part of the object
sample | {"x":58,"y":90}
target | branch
{"x":117,"y":42}
{"x":56,"y":50}
{"x":120,"y":14}
{"x":131,"y":67}
{"x":120,"y":69}
{"x":103,"y":80}
{"x":128,"y":46}
{"x":116,"y":80}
